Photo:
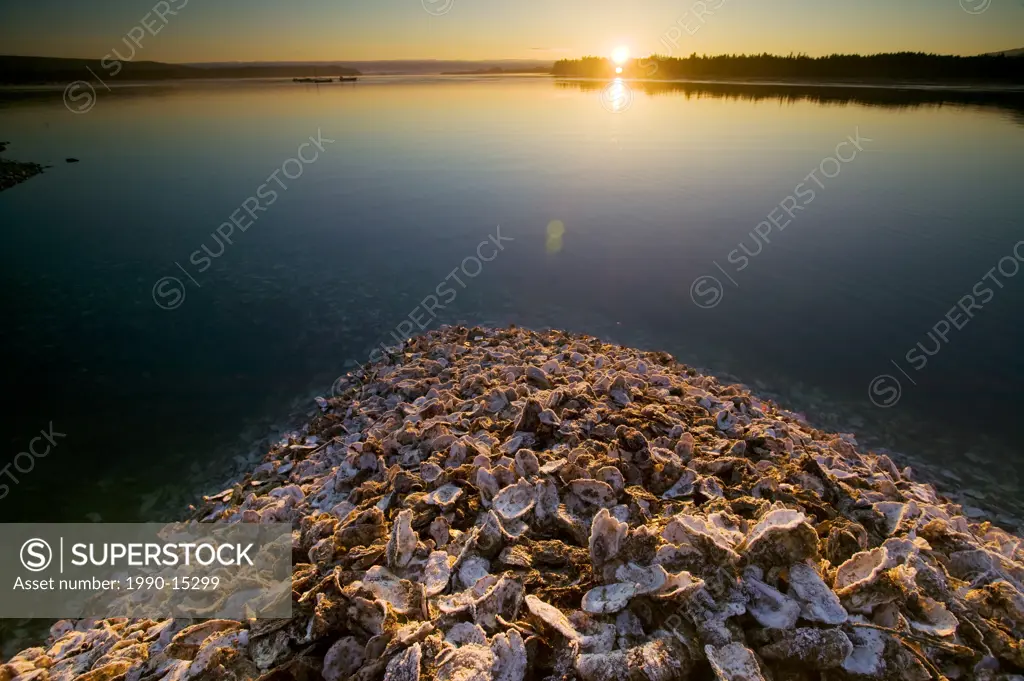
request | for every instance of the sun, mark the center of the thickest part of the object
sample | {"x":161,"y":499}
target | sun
{"x":620,"y":55}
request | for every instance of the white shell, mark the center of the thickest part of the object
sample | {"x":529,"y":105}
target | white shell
{"x":405,"y":667}
{"x":733,"y":662}
{"x":462,"y":633}
{"x":436,"y":573}
{"x":608,"y":599}
{"x":768,"y":606}
{"x":510,"y":659}
{"x":515,"y":501}
{"x":472,"y":570}
{"x":402,"y":545}
{"x":343,"y":659}
{"x":389,"y":588}
{"x":937,"y":621}
{"x":546,"y":493}
{"x":594,"y":492}
{"x":817,"y":602}
{"x":527,"y":465}
{"x":868,"y":649}
{"x":606,"y":537}
{"x":553,"y":617}
{"x":467,"y":663}
{"x":684,"y":486}
{"x":645,"y":579}
{"x":444,"y":496}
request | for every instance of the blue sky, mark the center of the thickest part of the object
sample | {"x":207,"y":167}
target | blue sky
{"x":226,"y":30}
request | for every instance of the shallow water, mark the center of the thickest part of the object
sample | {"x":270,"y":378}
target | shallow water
{"x":652,"y":191}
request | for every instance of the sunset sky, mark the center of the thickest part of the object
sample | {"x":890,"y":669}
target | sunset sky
{"x":298,"y":30}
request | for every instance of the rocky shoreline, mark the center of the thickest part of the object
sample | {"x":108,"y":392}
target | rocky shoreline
{"x":15,"y":172}
{"x":502,"y":504}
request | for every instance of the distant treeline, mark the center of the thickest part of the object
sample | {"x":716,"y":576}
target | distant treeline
{"x":497,"y":70}
{"x":1009,"y":100}
{"x":902,"y":66}
{"x":37,"y":70}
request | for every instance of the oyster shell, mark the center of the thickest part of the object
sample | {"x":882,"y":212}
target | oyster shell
{"x":817,"y":602}
{"x":515,"y":501}
{"x":402,"y":544}
{"x":436,"y":573}
{"x":608,"y":599}
{"x":781,"y":537}
{"x":624,"y":492}
{"x":733,"y":662}
{"x":405,"y":667}
{"x":606,"y":537}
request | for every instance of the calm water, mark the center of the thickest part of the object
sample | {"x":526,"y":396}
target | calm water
{"x":650,"y":192}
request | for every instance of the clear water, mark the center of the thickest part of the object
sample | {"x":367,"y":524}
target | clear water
{"x":156,"y":403}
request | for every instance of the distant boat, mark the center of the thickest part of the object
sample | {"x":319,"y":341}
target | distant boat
{"x":343,"y":79}
{"x":312,"y":80}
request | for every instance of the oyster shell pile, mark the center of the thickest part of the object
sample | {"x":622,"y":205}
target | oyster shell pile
{"x":503,"y":505}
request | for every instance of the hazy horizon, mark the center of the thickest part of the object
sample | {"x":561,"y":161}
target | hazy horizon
{"x":457,"y":30}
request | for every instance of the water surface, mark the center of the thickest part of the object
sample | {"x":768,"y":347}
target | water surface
{"x":650,"y":188}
